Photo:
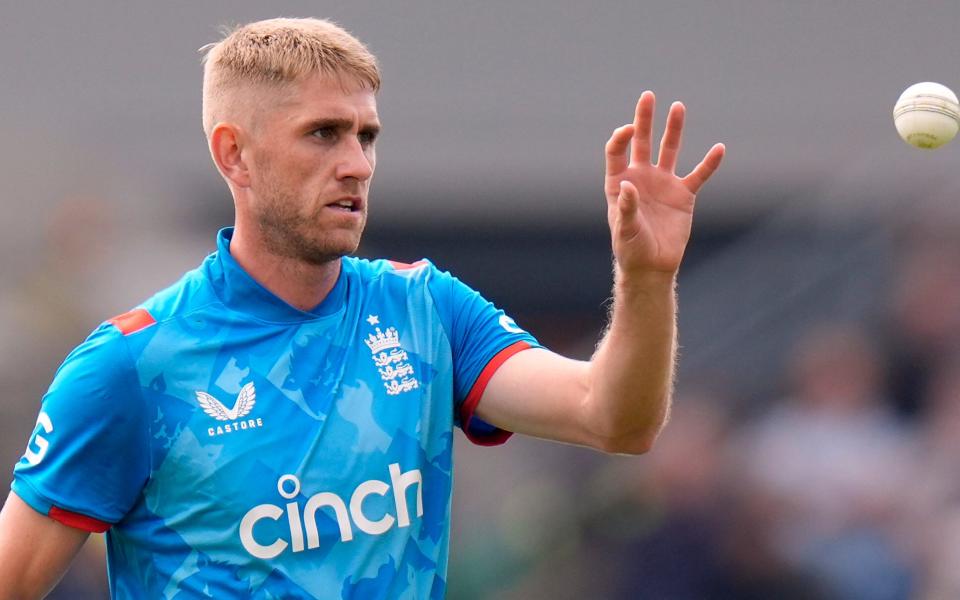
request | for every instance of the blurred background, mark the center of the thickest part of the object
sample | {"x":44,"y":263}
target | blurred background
{"x":813,"y":447}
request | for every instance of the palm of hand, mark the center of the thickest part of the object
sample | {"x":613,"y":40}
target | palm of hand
{"x":650,"y":208}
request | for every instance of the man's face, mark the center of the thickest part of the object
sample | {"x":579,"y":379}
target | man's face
{"x":311,"y":162}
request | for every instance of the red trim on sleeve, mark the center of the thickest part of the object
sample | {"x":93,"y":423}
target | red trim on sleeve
{"x":476,"y":392}
{"x":78,"y":521}
{"x":400,"y":266}
{"x":133,"y":321}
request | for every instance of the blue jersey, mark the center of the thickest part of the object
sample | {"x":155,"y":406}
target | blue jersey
{"x":233,"y":446}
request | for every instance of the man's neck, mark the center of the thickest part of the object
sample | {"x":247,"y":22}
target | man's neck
{"x":299,"y":284}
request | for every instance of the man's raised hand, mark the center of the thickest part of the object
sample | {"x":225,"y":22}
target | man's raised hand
{"x":650,"y":208}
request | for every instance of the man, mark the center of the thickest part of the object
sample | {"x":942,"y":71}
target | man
{"x":279,"y":422}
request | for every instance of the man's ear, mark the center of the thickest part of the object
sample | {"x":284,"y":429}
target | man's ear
{"x":226,"y":148}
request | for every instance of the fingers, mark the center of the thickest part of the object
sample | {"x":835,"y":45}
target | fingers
{"x":639,"y":137}
{"x":616,"y":149}
{"x":628,"y":199}
{"x":702,"y":172}
{"x":624,"y":223}
{"x":643,"y":127}
{"x":670,"y":143}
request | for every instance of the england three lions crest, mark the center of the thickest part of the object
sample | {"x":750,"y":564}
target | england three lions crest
{"x":390,"y":359}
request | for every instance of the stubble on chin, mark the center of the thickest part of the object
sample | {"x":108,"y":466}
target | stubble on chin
{"x":287,"y":233}
{"x":290,"y":236}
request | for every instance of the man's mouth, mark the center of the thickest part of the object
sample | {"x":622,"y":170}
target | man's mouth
{"x":348,"y":204}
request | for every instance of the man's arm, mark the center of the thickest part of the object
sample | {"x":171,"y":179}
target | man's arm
{"x":619,"y":401}
{"x":35,"y":550}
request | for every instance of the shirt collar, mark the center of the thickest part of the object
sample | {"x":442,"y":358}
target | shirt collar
{"x":241,"y":292}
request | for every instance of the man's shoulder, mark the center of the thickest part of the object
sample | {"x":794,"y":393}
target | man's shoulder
{"x":373,"y":268}
{"x":395,"y":279}
{"x":394,"y":276}
{"x":188,"y":294}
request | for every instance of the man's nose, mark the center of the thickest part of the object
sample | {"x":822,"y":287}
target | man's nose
{"x":354,"y":162}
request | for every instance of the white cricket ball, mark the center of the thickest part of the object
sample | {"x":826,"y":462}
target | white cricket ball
{"x":927,"y":115}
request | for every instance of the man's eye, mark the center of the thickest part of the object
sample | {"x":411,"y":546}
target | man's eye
{"x":367,"y":137}
{"x":325,"y":133}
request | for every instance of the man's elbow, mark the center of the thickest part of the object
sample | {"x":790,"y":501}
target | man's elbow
{"x":632,"y":444}
{"x":615,"y":434}
{"x":635,"y":440}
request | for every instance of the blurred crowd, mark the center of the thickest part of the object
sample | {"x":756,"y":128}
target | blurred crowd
{"x":838,"y":482}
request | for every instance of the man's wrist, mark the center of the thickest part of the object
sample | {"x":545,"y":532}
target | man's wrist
{"x":644,"y":280}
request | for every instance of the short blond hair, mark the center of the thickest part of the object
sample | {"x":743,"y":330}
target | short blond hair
{"x":277,"y":52}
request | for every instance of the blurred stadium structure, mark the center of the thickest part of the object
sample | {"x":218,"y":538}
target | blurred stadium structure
{"x":813,"y":449}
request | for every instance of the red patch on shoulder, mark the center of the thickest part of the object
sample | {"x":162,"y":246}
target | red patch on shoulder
{"x":133,"y":321}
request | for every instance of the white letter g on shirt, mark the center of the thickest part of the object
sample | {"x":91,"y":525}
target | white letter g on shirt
{"x":34,"y":457}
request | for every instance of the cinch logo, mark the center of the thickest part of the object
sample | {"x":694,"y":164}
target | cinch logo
{"x":241,"y":408}
{"x":331,"y":502}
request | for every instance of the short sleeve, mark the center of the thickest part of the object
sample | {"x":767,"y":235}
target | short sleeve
{"x":88,"y":456}
{"x":482,"y":337}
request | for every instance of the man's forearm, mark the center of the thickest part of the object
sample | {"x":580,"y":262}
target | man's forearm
{"x":631,"y":374}
{"x":35,"y":550}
